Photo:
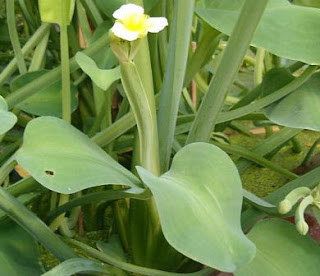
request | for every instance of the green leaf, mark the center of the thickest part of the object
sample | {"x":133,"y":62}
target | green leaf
{"x":113,"y":248}
{"x":281,"y":250}
{"x":19,"y":253}
{"x":301,"y":108}
{"x":108,"y":7}
{"x":102,"y":78}
{"x":307,"y":3}
{"x":80,"y":265}
{"x":296,"y":39}
{"x":199,"y":201}
{"x":7,"y":119}
{"x":58,"y":11}
{"x":66,"y":161}
{"x":47,"y":101}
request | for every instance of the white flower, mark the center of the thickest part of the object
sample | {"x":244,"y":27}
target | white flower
{"x":132,"y":23}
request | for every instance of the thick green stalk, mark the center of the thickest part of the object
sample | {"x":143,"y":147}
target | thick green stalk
{"x":52,"y":76}
{"x":235,"y":51}
{"x":13,"y":33}
{"x":173,"y":82}
{"x":144,"y":110}
{"x":27,"y":48}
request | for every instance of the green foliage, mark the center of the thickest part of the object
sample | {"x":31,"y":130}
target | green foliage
{"x":281,"y":250}
{"x":7,"y":118}
{"x":299,"y":43}
{"x":199,"y":202}
{"x":102,"y":78}
{"x":180,"y":210}
{"x":301,"y":108}
{"x":47,"y":101}
{"x":64,"y":160}
{"x":59,"y":12}
{"x":19,"y":252}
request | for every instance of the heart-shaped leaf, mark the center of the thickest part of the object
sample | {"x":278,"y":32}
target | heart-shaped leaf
{"x":199,"y":201}
{"x":19,"y":253}
{"x":281,"y":250}
{"x":277,"y":32}
{"x":7,"y":119}
{"x":47,"y":101}
{"x":301,"y":108}
{"x":64,"y":160}
{"x":101,"y":77}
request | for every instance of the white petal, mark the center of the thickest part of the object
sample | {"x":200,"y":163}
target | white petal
{"x":126,"y":10}
{"x":121,"y":31}
{"x":156,"y":24}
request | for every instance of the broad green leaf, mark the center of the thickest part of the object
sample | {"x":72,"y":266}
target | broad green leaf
{"x":301,"y":108}
{"x":7,"y":118}
{"x":281,"y":250}
{"x":19,"y":253}
{"x":47,"y":101}
{"x":277,"y":32}
{"x":102,"y":78}
{"x":199,"y":201}
{"x":64,"y":160}
{"x":58,"y":11}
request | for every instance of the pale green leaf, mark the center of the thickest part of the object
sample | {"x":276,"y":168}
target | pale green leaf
{"x":58,"y":11}
{"x":199,"y":202}
{"x":286,"y":30}
{"x":64,"y":160}
{"x":102,"y":78}
{"x":47,"y":101}
{"x":281,"y":251}
{"x":301,"y":108}
{"x":7,"y":118}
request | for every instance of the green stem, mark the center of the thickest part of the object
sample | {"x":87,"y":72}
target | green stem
{"x":52,"y":76}
{"x":39,"y":54}
{"x":235,"y":51}
{"x":130,"y":267}
{"x":93,"y":11}
{"x":310,"y":152}
{"x":27,"y":48}
{"x":6,"y":168}
{"x":13,"y":33}
{"x":144,"y":110}
{"x":259,"y":66}
{"x":65,"y":74}
{"x":249,"y":155}
{"x":32,"y":224}
{"x":277,"y":95}
{"x":174,"y":78}
{"x":118,"y":128}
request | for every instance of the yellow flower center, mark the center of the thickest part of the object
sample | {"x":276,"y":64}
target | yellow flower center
{"x":136,"y":23}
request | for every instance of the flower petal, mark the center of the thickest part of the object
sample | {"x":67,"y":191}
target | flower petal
{"x":121,"y":31}
{"x":126,"y":10}
{"x":156,"y":24}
